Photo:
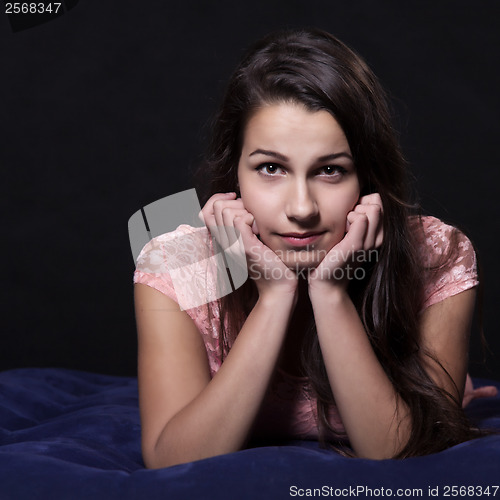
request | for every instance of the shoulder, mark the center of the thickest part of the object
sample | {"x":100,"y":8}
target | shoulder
{"x":180,"y":264}
{"x":173,"y":249}
{"x":434,"y":238}
{"x":437,"y":242}
{"x":447,"y":257}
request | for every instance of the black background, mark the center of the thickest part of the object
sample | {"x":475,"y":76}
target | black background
{"x":105,"y":109}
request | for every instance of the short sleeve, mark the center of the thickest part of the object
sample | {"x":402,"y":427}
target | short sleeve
{"x":450,"y":265}
{"x":182,"y":266}
{"x":152,"y":269}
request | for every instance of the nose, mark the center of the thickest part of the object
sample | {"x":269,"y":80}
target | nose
{"x":301,"y":204}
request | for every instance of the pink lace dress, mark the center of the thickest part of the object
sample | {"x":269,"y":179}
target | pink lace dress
{"x":182,"y":265}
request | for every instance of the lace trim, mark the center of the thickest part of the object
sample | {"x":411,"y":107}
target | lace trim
{"x":445,"y":277}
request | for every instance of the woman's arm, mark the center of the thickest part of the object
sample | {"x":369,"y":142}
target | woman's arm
{"x":445,"y":330}
{"x":186,"y":415}
{"x":377,"y":423}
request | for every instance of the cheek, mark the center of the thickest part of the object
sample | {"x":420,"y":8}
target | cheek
{"x":255,"y":200}
{"x":262,"y":212}
{"x":352,"y":198}
{"x":259,"y":211}
{"x":340,"y":206}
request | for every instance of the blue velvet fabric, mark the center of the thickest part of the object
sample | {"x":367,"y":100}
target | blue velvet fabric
{"x":74,"y":435}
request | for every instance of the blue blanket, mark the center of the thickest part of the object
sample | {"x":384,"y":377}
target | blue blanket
{"x":74,"y":435}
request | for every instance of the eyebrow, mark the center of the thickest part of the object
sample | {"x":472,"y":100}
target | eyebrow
{"x":281,"y":157}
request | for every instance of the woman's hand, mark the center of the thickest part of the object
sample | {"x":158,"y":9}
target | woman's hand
{"x":471,"y":393}
{"x":236,"y":231}
{"x":364,"y":233}
{"x":218,"y":214}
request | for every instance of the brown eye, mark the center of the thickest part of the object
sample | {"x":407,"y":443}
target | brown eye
{"x":331,"y":170}
{"x":268,"y":169}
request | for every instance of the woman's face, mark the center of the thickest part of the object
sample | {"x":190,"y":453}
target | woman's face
{"x":297,"y":177}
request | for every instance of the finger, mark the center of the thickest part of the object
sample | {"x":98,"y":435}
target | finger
{"x":234,"y":248}
{"x":228,"y":216}
{"x":375,"y":199}
{"x":355,"y":237}
{"x":374,"y":232}
{"x":244,"y":224}
{"x":489,"y":391}
{"x":209,"y":205}
{"x":347,"y":223}
{"x":207,"y":212}
{"x":219,"y":228}
{"x":354,"y":216}
{"x":485,"y":392}
{"x":255,"y":228}
{"x":219,"y":206}
{"x":351,"y":217}
{"x":371,"y":199}
{"x":220,"y":203}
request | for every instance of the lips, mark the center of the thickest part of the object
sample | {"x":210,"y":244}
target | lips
{"x":301,"y":239}
{"x":300,"y":235}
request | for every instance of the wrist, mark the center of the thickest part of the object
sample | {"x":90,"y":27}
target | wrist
{"x":326,"y":286}
{"x":277,"y":296}
{"x":332,"y":293}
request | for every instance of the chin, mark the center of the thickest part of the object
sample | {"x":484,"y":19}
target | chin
{"x":302,"y":262}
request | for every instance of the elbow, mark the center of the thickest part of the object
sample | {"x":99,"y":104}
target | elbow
{"x":377,"y":454}
{"x":154,"y":460}
{"x":393,"y":447}
{"x":161,"y":449}
{"x":160,"y":455}
{"x":168,"y":450}
{"x":155,"y":454}
{"x":151,"y":459}
{"x":151,"y":462}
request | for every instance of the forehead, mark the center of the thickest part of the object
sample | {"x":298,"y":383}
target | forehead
{"x":291,"y":127}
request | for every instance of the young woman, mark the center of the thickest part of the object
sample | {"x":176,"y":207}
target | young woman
{"x":353,"y":325}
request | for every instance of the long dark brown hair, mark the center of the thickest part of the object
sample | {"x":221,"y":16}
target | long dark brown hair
{"x":315,"y":69}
